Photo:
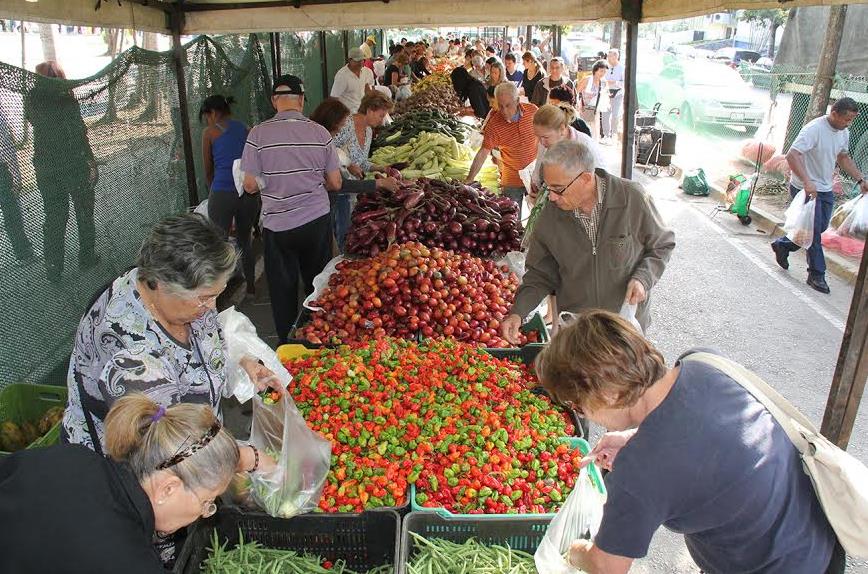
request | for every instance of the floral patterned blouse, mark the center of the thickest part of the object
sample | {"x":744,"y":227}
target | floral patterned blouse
{"x":347,"y":139}
{"x":120,"y":349}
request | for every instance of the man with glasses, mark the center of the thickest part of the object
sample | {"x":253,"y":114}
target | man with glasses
{"x":510,"y":130}
{"x":599,"y":243}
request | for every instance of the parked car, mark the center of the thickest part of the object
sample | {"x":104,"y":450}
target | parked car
{"x":758,"y":73}
{"x":581,"y":52}
{"x":734,"y":56}
{"x":702,"y":93}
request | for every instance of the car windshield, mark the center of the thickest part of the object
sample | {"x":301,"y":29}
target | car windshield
{"x":715,"y":76}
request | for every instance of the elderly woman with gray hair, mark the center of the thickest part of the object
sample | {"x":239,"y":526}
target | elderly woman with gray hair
{"x":155,"y":331}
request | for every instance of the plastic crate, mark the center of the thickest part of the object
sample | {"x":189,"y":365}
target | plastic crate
{"x":364,"y":541}
{"x":22,"y":402}
{"x":518,"y":531}
{"x":573,"y":442}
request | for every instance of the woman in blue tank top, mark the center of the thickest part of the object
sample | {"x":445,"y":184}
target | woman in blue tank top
{"x":222,"y":143}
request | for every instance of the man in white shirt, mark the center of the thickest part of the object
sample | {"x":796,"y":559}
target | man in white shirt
{"x":353,"y":81}
{"x":615,"y":84}
{"x":820,"y":145}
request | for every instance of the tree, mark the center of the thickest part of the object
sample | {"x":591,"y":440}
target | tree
{"x":772,"y":18}
{"x":46,"y":35}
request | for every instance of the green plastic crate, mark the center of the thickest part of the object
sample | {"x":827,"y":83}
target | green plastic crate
{"x":23,"y":402}
{"x":518,"y":531}
{"x":574,"y":442}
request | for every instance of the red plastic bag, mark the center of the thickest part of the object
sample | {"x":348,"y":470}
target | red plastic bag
{"x":751,"y":151}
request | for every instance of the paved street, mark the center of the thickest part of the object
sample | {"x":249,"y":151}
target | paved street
{"x":723,"y":290}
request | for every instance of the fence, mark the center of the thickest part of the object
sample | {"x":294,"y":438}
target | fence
{"x":716,"y":110}
{"x":109,"y":149}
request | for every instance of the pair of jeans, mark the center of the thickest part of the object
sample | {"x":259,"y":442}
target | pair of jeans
{"x":342,"y":209}
{"x":822,"y":215}
{"x":223,"y":207}
{"x":612,"y":117}
{"x":305,"y":250}
{"x":11,"y":211}
{"x":517,"y":195}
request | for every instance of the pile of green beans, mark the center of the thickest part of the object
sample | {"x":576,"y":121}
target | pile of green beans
{"x":253,"y":558}
{"x":439,"y":556}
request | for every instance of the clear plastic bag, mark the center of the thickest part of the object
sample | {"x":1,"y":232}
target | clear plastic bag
{"x":303,"y":459}
{"x":628,"y":312}
{"x":579,"y":517}
{"x":855,"y":225}
{"x":799,"y":224}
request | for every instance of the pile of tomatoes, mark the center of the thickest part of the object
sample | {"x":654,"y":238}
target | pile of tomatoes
{"x":411,"y":290}
{"x":462,"y":426}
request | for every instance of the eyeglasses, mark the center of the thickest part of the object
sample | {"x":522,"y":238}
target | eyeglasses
{"x":561,"y":189}
{"x":204,"y":301}
{"x":573,"y":407}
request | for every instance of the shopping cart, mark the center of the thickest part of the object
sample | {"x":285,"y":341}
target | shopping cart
{"x":654,"y":145}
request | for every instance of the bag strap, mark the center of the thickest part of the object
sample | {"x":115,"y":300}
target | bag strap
{"x":779,"y":407}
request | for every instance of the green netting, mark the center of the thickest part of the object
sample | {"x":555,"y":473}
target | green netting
{"x":300,"y":55}
{"x":86,"y":168}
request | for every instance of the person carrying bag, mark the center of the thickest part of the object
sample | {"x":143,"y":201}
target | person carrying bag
{"x":840,"y":481}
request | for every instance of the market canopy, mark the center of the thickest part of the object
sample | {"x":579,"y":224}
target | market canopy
{"x":225,"y":16}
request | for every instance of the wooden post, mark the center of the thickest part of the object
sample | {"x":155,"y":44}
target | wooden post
{"x":629,"y":99}
{"x":828,"y":62}
{"x":176,"y":21}
{"x":529,"y":38}
{"x":275,"y":56}
{"x":851,"y":371}
{"x":324,"y":64}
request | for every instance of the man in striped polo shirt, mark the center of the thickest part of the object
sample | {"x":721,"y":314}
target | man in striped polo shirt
{"x":509,"y":129}
{"x":297,"y":160}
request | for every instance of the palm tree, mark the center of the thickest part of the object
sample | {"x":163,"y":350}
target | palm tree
{"x":46,"y":35}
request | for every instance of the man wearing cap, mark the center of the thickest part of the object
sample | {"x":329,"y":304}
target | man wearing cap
{"x":297,"y":160}
{"x":353,"y":81}
{"x":367,"y":47}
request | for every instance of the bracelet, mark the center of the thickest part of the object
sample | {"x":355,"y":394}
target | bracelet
{"x":255,"y":458}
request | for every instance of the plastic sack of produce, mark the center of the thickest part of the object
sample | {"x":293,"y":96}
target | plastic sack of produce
{"x":579,"y":517}
{"x":799,"y":224}
{"x":628,"y":312}
{"x":303,"y":459}
{"x":855,"y":225}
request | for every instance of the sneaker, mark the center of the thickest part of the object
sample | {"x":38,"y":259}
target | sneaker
{"x":819,"y":284}
{"x":781,"y":256}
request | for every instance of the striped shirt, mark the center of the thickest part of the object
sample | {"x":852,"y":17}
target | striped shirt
{"x":515,"y":140}
{"x":292,"y":155}
{"x":591,"y":222}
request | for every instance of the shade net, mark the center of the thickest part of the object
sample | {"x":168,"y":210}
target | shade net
{"x":86,"y":168}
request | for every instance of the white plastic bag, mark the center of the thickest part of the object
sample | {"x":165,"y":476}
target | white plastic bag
{"x":526,"y":175}
{"x":241,"y":339}
{"x":238,"y":177}
{"x":628,"y":312}
{"x":303,"y":459}
{"x":855,"y":225}
{"x":799,"y":224}
{"x":579,"y":517}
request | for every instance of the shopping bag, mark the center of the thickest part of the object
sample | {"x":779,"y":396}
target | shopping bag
{"x":799,"y":224}
{"x":695,"y":183}
{"x":303,"y":459}
{"x":855,"y":225}
{"x":842,"y":211}
{"x":579,"y":517}
{"x":628,"y":312}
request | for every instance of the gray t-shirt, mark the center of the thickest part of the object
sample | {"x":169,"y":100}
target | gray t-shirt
{"x":711,"y":463}
{"x":820,"y":145}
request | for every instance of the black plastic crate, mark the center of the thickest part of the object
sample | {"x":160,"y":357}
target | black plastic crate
{"x":520,"y":532}
{"x":364,"y":541}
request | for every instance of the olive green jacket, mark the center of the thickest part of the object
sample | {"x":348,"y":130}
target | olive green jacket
{"x":632,"y":243}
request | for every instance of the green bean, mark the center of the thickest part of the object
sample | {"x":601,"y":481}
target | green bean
{"x":439,"y":556}
{"x":250,"y":557}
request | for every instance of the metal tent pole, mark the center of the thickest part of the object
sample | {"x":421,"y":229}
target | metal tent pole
{"x":630,"y":100}
{"x":176,"y":21}
{"x":324,"y":64}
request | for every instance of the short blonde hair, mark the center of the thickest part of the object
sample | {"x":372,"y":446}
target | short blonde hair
{"x":375,"y":100}
{"x":599,"y":360}
{"x":554,"y":117}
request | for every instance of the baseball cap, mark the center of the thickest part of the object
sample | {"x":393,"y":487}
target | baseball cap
{"x":355,"y":54}
{"x":288,"y":85}
{"x":371,"y":39}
